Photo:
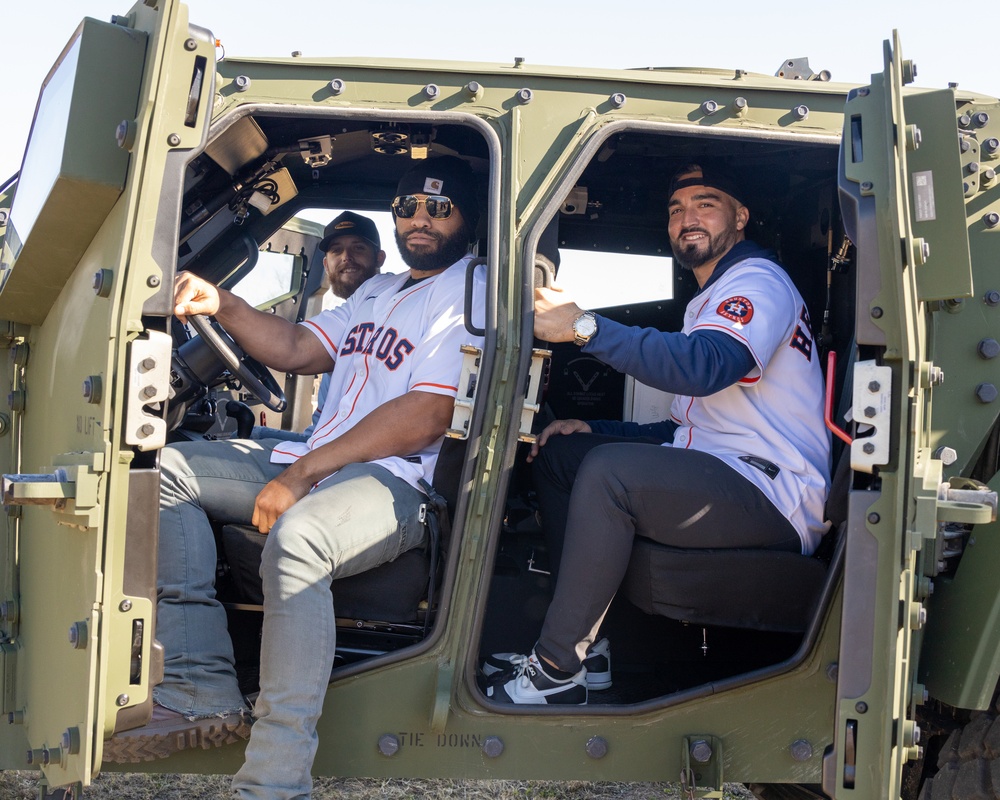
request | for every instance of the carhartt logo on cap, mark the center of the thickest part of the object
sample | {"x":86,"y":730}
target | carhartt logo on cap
{"x":345,"y":224}
{"x":432,"y":185}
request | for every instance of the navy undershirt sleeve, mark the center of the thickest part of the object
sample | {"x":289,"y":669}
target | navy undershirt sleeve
{"x":662,"y":431}
{"x":696,"y":364}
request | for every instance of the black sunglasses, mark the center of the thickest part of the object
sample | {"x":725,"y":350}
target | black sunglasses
{"x":438,"y":206}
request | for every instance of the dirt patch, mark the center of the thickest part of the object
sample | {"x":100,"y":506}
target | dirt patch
{"x":24,"y":786}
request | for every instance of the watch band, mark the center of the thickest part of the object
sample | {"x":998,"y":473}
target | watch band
{"x":584,"y":328}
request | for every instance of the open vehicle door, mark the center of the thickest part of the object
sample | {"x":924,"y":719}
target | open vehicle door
{"x":904,"y":183}
{"x":86,"y":276}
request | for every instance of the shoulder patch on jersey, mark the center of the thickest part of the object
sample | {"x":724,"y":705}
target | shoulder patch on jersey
{"x":737,"y":309}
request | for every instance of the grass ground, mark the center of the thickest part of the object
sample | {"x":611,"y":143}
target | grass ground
{"x":23,"y":786}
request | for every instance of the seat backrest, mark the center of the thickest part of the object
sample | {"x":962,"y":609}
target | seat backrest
{"x":448,"y":470}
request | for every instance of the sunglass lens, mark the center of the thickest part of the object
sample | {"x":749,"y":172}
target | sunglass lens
{"x":438,"y":207}
{"x":405,"y":206}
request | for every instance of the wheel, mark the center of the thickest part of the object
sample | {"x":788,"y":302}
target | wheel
{"x":968,"y":765}
{"x":254,"y":376}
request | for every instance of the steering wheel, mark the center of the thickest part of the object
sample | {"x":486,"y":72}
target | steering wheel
{"x":255,"y":377}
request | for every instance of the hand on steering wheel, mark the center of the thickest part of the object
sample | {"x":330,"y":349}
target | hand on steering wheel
{"x":255,"y":377}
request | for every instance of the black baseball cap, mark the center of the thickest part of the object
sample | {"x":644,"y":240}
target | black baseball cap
{"x":350,"y":224}
{"x":448,"y":176}
{"x":711,"y":175}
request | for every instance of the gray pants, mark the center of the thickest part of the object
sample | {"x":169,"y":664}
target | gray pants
{"x":352,"y":522}
{"x":619,"y":490}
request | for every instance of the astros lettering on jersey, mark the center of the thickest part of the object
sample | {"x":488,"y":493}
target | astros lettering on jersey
{"x":387,"y":340}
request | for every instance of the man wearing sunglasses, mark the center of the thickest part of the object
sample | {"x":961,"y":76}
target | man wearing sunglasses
{"x":342,"y":503}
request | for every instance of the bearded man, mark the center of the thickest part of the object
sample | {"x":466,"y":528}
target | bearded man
{"x":743,"y":461}
{"x":341,"y":503}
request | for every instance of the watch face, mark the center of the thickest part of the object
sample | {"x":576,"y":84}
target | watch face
{"x":585,"y":326}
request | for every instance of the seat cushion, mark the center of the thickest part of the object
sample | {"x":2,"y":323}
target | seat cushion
{"x":389,"y":593}
{"x":765,"y":590}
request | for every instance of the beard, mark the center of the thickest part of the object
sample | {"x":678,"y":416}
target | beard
{"x":695,"y":254}
{"x":447,"y":251}
{"x":344,"y":286}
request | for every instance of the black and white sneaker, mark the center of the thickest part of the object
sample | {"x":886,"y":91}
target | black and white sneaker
{"x":525,"y":680}
{"x":597,"y":663}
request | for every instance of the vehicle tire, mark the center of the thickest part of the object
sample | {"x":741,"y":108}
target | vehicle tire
{"x":968,"y":765}
{"x":786,"y":791}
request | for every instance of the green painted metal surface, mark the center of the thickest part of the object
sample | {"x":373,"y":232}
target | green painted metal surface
{"x":535,"y":135}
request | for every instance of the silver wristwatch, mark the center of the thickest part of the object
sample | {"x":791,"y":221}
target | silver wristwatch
{"x":584,"y":327}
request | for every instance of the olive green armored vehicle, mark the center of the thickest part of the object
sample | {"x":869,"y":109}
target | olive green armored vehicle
{"x":868,"y":670}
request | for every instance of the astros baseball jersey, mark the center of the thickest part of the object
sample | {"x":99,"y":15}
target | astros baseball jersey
{"x":387,"y":340}
{"x":772,"y":417}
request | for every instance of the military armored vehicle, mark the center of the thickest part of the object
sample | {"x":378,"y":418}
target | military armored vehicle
{"x":868,"y":670}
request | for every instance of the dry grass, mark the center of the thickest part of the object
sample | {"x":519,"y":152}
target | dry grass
{"x":23,"y":786}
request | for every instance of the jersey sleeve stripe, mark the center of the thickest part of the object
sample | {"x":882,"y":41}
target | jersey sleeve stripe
{"x":435,"y":385}
{"x":322,"y":334}
{"x":296,"y":456}
{"x":725,"y":328}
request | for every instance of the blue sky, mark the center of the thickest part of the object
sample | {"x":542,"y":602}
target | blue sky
{"x":845,"y":38}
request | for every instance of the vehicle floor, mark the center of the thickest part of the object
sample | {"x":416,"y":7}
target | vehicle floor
{"x":651,"y":656}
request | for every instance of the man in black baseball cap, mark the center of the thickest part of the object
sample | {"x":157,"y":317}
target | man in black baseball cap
{"x":745,"y":439}
{"x":353,"y":252}
{"x":700,"y":243}
{"x":436,"y":212}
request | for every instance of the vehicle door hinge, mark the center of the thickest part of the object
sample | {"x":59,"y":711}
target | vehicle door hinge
{"x":468,"y":388}
{"x":148,"y":387}
{"x":531,"y":404}
{"x":872,"y":410}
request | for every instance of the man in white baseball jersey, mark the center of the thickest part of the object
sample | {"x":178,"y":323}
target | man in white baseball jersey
{"x":339,"y":504}
{"x":742,"y":462}
{"x":352,"y":254}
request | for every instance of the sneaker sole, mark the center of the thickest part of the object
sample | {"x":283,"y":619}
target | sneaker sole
{"x":203,"y":733}
{"x":501,"y":696}
{"x":599,"y":682}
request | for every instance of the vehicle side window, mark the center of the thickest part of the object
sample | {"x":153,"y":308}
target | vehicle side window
{"x":273,"y":279}
{"x":607,"y":280}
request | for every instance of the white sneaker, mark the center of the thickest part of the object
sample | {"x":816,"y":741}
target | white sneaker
{"x":526,"y":681}
{"x":597,"y":663}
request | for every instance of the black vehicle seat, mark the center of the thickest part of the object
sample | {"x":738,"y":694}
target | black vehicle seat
{"x":393,"y":591}
{"x":765,"y":590}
